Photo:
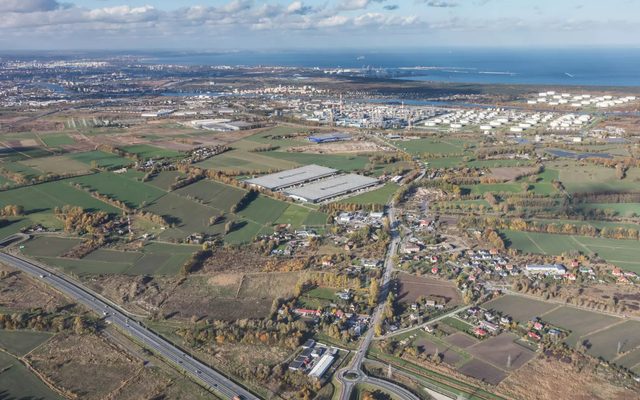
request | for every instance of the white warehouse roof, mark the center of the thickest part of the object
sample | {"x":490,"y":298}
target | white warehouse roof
{"x":292,"y":177}
{"x":331,"y":187}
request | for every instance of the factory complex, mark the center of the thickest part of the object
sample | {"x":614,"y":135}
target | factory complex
{"x":314,"y":183}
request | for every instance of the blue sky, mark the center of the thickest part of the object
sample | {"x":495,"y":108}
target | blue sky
{"x":330,"y":24}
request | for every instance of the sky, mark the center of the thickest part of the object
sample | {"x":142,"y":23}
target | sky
{"x":315,"y":24}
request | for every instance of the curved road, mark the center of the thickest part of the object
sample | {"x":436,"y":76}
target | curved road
{"x":193,"y":368}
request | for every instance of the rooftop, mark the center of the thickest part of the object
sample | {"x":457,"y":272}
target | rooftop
{"x":292,"y":177}
{"x":331,"y":187}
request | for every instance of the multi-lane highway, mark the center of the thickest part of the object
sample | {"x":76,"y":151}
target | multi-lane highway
{"x":207,"y":376}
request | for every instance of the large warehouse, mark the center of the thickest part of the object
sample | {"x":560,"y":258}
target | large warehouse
{"x":292,"y":177}
{"x":330,"y":188}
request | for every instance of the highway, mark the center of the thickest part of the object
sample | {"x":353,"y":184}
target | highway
{"x":193,"y":368}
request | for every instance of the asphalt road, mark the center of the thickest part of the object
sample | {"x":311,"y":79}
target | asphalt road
{"x":212,"y":379}
{"x":356,"y":363}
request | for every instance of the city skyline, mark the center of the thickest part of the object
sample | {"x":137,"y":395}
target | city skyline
{"x":331,"y":24}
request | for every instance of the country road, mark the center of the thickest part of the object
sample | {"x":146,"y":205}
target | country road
{"x":190,"y":366}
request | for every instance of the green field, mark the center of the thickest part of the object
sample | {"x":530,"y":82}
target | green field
{"x":165,"y":179}
{"x":621,"y":209}
{"x":49,"y":246}
{"x":102,"y":159}
{"x":267,"y":137}
{"x":240,"y":160}
{"x":298,"y":216}
{"x":579,"y":178}
{"x":379,"y":196}
{"x":22,"y":169}
{"x":20,"y":343}
{"x":483,"y":188}
{"x":146,"y":151}
{"x":56,"y":165}
{"x":17,"y":382}
{"x":47,"y":196}
{"x":445,"y":162}
{"x":57,"y":140}
{"x":264,"y":210}
{"x":119,"y":187}
{"x":432,"y":146}
{"x":154,"y":259}
{"x":214,"y":194}
{"x":623,"y":253}
{"x":498,"y":163}
{"x":342,"y":162}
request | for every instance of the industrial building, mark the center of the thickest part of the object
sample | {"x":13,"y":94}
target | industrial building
{"x":551,"y":269}
{"x":292,"y":177}
{"x":332,"y":187}
{"x":322,"y":366}
{"x":329,"y":137}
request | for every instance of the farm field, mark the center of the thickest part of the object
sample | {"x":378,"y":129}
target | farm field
{"x":17,"y":382}
{"x":579,"y":178}
{"x":57,"y":165}
{"x":622,"y":253}
{"x":101,"y":159}
{"x":345,"y":163}
{"x":153,"y":259}
{"x":165,"y":179}
{"x":379,"y":196}
{"x":21,"y":342}
{"x":298,"y":216}
{"x":42,"y":199}
{"x":413,"y":287}
{"x":519,"y":308}
{"x":446,"y":162}
{"x":605,"y":343}
{"x":483,"y":371}
{"x":621,"y":209}
{"x":240,"y":160}
{"x":56,"y":140}
{"x":214,"y":194}
{"x":432,"y":146}
{"x":498,"y":349}
{"x":579,"y":322}
{"x":146,"y":151}
{"x":119,"y":187}
{"x":460,"y":339}
{"x":49,"y":246}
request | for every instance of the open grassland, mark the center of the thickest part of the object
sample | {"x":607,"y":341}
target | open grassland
{"x":445,"y":162}
{"x":165,"y":179}
{"x":298,"y":216}
{"x":119,"y":187}
{"x":621,"y":209}
{"x":214,"y":194}
{"x":49,"y":246}
{"x":622,"y":253}
{"x":154,"y":259}
{"x":379,"y":196}
{"x":17,"y":382}
{"x":101,"y":159}
{"x":56,"y":140}
{"x":21,"y":168}
{"x":146,"y":151}
{"x":579,"y":178}
{"x":605,"y":343}
{"x":519,"y":308}
{"x":273,"y":137}
{"x":498,"y":163}
{"x":241,"y":160}
{"x":57,"y":165}
{"x":432,"y":146}
{"x":342,"y":162}
{"x":264,"y":210}
{"x":579,"y":322}
{"x":20,"y":343}
{"x":45,"y":197}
